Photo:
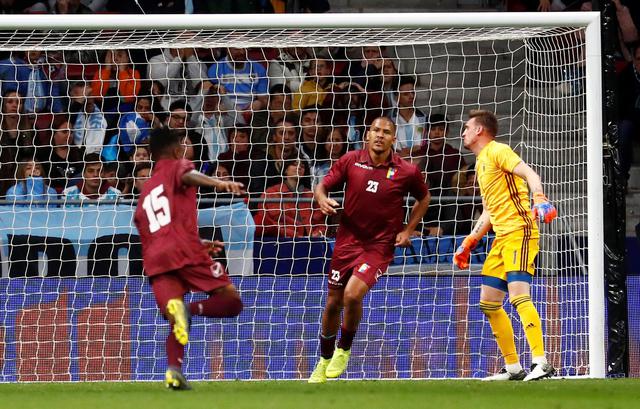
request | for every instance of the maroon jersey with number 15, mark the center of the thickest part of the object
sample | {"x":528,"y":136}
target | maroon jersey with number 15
{"x":167,"y":220}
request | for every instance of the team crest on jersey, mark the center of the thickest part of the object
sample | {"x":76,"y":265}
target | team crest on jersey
{"x":363,"y":267}
{"x":391,"y":173}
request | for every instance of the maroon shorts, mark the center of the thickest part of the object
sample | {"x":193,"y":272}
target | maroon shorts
{"x":366,"y":264}
{"x":176,"y":283}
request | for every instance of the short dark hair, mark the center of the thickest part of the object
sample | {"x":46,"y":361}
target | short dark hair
{"x":406,"y":79}
{"x":279,"y":89}
{"x":162,"y":139}
{"x":110,"y":166}
{"x":140,"y":166}
{"x":179,"y":104}
{"x":485,"y":118}
{"x":438,"y":119}
{"x":91,"y":158}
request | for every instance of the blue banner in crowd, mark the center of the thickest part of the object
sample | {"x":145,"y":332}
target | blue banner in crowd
{"x":70,"y":238}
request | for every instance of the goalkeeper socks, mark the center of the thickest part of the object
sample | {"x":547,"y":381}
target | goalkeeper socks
{"x":175,"y":350}
{"x":346,"y":339}
{"x":531,"y":323}
{"x":327,"y":346}
{"x":217,"y":306}
{"x":502,"y":330}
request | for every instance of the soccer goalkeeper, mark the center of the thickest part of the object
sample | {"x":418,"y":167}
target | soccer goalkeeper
{"x":503,"y":178}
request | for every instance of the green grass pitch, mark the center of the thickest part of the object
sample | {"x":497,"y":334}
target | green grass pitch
{"x":550,"y":394}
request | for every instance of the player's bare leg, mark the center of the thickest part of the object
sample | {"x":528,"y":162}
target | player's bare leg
{"x":354,"y":293}
{"x":330,"y":325}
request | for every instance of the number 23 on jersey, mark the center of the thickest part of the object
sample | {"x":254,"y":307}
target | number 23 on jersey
{"x":156,"y":205}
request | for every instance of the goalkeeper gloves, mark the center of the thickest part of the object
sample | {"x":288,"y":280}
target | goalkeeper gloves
{"x":542,"y":209}
{"x":463,"y":253}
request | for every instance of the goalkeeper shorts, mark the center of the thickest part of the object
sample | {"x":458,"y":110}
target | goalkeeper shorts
{"x":513,"y":252}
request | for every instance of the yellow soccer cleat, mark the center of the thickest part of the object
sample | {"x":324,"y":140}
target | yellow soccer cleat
{"x":319,"y":372}
{"x":338,"y":363}
{"x":178,"y":316}
{"x":175,"y":380}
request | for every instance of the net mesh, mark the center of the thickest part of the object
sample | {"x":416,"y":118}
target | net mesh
{"x":75,"y":305}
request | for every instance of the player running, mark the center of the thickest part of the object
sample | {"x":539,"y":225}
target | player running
{"x":503,"y":178}
{"x":377,"y":181}
{"x":174,"y":257}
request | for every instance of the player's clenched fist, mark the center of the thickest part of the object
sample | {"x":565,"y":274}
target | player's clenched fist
{"x":542,"y":209}
{"x":463,"y":253}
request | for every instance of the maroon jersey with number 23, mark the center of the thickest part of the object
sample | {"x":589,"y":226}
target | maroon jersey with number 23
{"x":374,"y":198}
{"x":167,"y":220}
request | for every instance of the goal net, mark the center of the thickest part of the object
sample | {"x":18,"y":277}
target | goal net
{"x":254,"y":95}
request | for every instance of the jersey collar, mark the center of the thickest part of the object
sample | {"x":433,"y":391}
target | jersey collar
{"x":364,"y":157}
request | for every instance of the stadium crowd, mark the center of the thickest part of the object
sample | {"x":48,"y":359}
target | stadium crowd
{"x":75,"y":125}
{"x":274,"y":120}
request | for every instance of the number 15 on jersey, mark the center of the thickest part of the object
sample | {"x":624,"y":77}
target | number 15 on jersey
{"x":156,"y":205}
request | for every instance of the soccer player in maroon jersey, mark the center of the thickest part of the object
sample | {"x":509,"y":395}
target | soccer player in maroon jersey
{"x":175,"y":259}
{"x":377,"y":181}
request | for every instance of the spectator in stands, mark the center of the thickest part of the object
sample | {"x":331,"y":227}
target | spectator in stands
{"x":30,"y":185}
{"x":181,"y":74}
{"x":334,"y":147}
{"x":314,"y":89}
{"x":440,"y":162}
{"x":141,"y":173}
{"x":438,"y":159}
{"x":390,"y":84}
{"x":116,"y":83}
{"x":289,"y":68}
{"x":89,"y":125}
{"x":178,"y":116}
{"x":27,"y":75}
{"x":244,"y":81}
{"x":312,"y":135}
{"x":291,"y":210}
{"x":410,"y":121}
{"x":282,"y":146}
{"x":62,"y":158}
{"x":346,"y":107}
{"x":161,"y":99}
{"x":92,"y":185}
{"x":262,"y":121}
{"x":465,"y":213}
{"x":368,"y":71}
{"x":134,"y":129}
{"x":110,"y":173}
{"x":16,"y":138}
{"x":237,"y":159}
{"x":214,"y":124}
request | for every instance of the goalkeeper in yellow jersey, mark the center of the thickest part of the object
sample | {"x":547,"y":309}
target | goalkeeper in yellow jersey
{"x":503,"y":178}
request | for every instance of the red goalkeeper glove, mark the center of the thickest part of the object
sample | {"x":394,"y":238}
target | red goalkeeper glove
{"x":542,"y":209}
{"x":463,"y":253}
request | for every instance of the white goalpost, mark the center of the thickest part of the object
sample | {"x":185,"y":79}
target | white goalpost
{"x":75,"y":305}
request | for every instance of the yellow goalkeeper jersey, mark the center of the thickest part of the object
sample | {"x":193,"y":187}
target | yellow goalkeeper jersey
{"x":505,"y":194}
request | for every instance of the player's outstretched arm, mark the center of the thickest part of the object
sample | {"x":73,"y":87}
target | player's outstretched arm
{"x":195,"y":178}
{"x":542,"y":209}
{"x":327,"y":206}
{"x":403,"y":239}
